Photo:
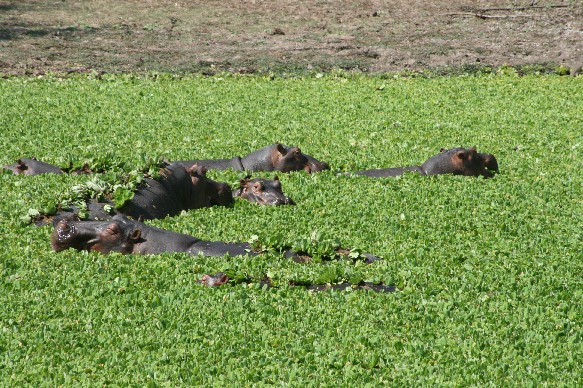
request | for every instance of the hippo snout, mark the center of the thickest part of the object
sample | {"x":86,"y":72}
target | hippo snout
{"x":274,"y":199}
{"x":316,"y":166}
{"x":280,"y":201}
{"x":62,"y":236}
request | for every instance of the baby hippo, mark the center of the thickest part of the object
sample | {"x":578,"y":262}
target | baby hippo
{"x":262,"y":191}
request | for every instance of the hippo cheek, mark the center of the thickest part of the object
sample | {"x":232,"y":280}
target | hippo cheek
{"x":253,"y":198}
{"x":260,"y":198}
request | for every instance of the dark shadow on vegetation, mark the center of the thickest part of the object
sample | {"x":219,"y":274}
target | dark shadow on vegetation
{"x":7,"y":7}
{"x":15,"y":31}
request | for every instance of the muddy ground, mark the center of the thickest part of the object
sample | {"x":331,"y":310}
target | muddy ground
{"x":251,"y":36}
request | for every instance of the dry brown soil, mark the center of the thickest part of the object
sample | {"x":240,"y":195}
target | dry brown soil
{"x":281,"y":36}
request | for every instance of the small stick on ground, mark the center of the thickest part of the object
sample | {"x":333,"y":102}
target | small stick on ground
{"x":523,"y":8}
{"x":481,"y":16}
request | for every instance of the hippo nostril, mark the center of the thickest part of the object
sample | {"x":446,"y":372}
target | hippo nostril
{"x":65,"y":231}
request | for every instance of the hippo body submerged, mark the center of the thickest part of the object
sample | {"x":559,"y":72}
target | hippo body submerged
{"x":126,"y":236}
{"x":457,"y":161}
{"x":32,"y":166}
{"x":275,"y":157}
{"x":216,"y":164}
{"x":122,"y":235}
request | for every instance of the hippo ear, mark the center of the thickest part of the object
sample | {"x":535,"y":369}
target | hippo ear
{"x":442,"y":150}
{"x":281,"y":149}
{"x":21,"y":165}
{"x":136,"y":234}
{"x":275,"y":178}
{"x":462,"y":154}
{"x":242,"y":182}
{"x":192,"y":170}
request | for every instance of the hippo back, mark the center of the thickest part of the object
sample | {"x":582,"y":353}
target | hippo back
{"x":260,"y":160}
{"x":155,"y":240}
{"x":215,"y":164}
{"x":166,"y":196}
{"x":218,"y":248}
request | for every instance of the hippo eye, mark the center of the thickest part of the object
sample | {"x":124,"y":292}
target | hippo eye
{"x":258,"y":186}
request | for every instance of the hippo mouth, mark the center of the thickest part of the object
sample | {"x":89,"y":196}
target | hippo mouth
{"x":272,"y":200}
{"x":67,"y":236}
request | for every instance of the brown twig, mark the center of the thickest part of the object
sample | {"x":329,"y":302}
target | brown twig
{"x":522,"y":8}
{"x":482,"y":16}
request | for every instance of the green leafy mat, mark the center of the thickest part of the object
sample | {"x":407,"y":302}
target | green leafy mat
{"x":487,"y":272}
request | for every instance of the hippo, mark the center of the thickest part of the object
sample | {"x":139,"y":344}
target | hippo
{"x":275,"y":157}
{"x":176,"y":190}
{"x":122,"y":235}
{"x":32,"y":166}
{"x":262,"y":191}
{"x":457,"y":161}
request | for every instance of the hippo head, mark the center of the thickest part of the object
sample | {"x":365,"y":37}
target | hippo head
{"x":315,"y":165}
{"x":32,"y":166}
{"x":292,"y":159}
{"x":460,"y":161}
{"x":19,"y":167}
{"x":262,"y":191}
{"x":117,"y":235}
{"x":489,"y":162}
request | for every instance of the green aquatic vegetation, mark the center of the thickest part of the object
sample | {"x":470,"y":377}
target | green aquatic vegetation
{"x":487,"y":271}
